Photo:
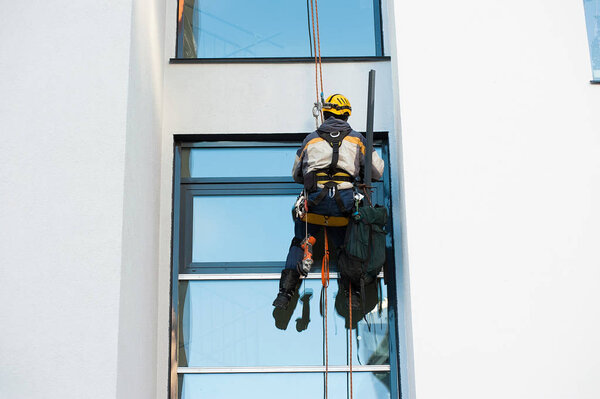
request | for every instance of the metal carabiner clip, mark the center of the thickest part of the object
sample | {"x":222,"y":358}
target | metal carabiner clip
{"x":316,"y":111}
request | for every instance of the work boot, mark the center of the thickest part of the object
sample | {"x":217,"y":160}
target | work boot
{"x":287,"y":286}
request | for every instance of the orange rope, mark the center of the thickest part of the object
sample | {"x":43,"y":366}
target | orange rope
{"x":315,"y":52}
{"x":318,"y":66}
{"x":319,"y":44}
{"x":325,"y":264}
{"x":325,"y":282}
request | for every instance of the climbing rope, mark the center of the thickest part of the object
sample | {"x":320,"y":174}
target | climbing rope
{"x":350,"y":329}
{"x":325,"y":282}
{"x":325,"y":264}
{"x":316,"y":44}
{"x":305,"y":216}
{"x":318,"y":113}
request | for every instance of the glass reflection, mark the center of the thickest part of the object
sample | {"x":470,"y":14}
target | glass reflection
{"x":592,"y":19}
{"x":240,"y":162}
{"x":241,"y":228}
{"x":232,"y":323}
{"x":263,"y":28}
{"x":278,"y":385}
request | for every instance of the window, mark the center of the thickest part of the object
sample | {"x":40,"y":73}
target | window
{"x":262,"y":28}
{"x":592,"y":19}
{"x":232,"y":229}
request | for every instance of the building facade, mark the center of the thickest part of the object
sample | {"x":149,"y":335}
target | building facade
{"x":484,"y":114}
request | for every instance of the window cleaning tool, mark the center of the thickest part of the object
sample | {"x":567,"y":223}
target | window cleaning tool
{"x":367,"y":191}
{"x":369,"y":150}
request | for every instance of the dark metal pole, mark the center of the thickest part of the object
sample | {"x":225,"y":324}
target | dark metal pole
{"x":370,"y":111}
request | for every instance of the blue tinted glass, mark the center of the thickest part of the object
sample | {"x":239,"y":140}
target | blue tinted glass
{"x":592,"y":19}
{"x":233,"y":323}
{"x":284,"y":385}
{"x":266,"y":28}
{"x":242,"y":162}
{"x":242,"y":228}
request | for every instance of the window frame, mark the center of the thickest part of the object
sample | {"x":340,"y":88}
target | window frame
{"x":595,"y":80}
{"x":379,"y":47}
{"x":184,"y":189}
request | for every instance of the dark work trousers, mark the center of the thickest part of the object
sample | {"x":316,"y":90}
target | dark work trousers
{"x":329,"y":207}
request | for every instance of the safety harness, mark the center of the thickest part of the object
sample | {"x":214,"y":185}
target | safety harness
{"x":329,"y":178}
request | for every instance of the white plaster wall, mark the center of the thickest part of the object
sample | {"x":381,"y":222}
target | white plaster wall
{"x":138,"y":324}
{"x":63,"y":109}
{"x":267,"y":98}
{"x":501,"y":139}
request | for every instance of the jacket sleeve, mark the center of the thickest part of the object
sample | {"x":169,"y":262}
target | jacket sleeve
{"x":297,"y":172}
{"x":297,"y":168}
{"x":378,"y":166}
{"x":376,"y":161}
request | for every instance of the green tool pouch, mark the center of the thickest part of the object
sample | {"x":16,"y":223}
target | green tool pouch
{"x":362,"y":256}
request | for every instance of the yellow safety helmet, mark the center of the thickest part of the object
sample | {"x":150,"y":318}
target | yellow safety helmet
{"x":337,"y":104}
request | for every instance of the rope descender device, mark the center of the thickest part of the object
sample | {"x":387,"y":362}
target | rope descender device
{"x":317,"y":111}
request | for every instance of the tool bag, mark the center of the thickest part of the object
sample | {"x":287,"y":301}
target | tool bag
{"x":362,"y":256}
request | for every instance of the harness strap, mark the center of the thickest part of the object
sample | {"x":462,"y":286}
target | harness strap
{"x":336,"y":154}
{"x":340,"y":203}
{"x":338,"y":177}
{"x":319,"y":197}
{"x":337,"y":197}
{"x":335,"y":140}
{"x":324,"y":220}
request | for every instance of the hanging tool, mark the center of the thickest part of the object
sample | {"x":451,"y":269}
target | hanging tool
{"x":307,"y":261}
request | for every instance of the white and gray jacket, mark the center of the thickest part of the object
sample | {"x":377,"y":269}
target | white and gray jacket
{"x":316,"y":153}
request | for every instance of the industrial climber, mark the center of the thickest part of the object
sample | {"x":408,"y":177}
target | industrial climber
{"x":329,"y":164}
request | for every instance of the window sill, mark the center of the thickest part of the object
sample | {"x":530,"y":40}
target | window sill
{"x":595,"y":82}
{"x":275,"y":60}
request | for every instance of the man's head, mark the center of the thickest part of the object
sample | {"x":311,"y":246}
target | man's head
{"x":337,"y":106}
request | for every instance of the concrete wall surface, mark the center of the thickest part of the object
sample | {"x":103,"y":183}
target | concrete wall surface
{"x":501,"y":137}
{"x":138,"y":324}
{"x":267,"y":98}
{"x":80,"y":128}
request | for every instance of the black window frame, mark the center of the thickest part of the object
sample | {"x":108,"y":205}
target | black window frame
{"x":184,"y":188}
{"x":379,"y":47}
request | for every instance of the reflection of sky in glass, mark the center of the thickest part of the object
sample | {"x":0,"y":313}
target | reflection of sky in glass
{"x":284,"y":385}
{"x":592,"y":19}
{"x":242,"y":162}
{"x":230,"y":323}
{"x":242,"y":228}
{"x":266,"y":28}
